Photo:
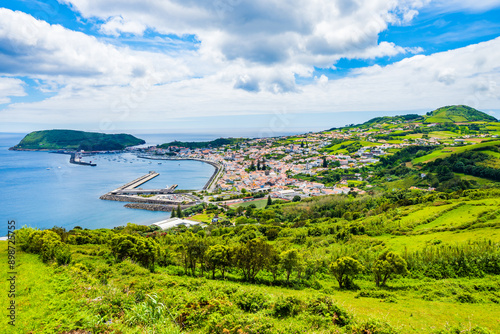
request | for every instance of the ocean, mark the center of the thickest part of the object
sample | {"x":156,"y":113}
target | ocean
{"x":42,"y":190}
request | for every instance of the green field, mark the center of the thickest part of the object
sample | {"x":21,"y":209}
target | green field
{"x":446,"y":152}
{"x":259,"y":203}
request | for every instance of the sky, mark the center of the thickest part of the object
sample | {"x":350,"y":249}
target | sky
{"x":234,"y":66}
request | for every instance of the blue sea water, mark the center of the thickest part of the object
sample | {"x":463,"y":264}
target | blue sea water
{"x":43,"y":190}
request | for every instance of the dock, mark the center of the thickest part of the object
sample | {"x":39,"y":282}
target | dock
{"x":137,"y":182}
{"x":131,"y":187}
{"x":77,"y":161}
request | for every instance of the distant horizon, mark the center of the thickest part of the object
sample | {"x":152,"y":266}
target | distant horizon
{"x":277,"y":124}
{"x":236,"y":65}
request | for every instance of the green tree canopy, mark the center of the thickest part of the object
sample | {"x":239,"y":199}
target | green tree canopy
{"x":345,"y":269}
{"x":387,"y":264}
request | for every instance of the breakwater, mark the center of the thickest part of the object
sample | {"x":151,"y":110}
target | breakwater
{"x":154,"y":207}
{"x":137,"y":182}
{"x":121,"y":198}
{"x":74,"y":160}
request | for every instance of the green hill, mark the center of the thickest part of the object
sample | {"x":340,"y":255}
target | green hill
{"x":385,"y":120}
{"x":76,"y":140}
{"x":204,"y":144}
{"x":457,"y":114}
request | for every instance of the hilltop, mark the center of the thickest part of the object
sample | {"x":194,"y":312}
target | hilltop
{"x":76,"y":140}
{"x":448,"y":114}
{"x":457,"y":114}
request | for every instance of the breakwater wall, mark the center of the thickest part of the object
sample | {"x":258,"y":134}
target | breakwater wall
{"x":118,"y":198}
{"x":72,"y":160}
{"x":154,"y":207}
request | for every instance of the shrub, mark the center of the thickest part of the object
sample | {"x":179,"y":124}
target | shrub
{"x":63,"y":255}
{"x":289,"y":306}
{"x":326,"y":307}
{"x":142,"y":250}
{"x":372,"y":326}
{"x":374,"y":294}
{"x":466,"y":297}
{"x":251,"y":301}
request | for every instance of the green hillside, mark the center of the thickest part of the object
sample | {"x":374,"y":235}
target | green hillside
{"x":457,"y":114}
{"x":387,"y":120}
{"x":76,"y":140}
{"x":204,"y":144}
{"x":441,"y":252}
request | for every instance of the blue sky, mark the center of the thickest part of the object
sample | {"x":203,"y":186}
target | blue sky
{"x":170,"y":65}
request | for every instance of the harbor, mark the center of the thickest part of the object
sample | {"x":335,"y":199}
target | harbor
{"x":150,"y":199}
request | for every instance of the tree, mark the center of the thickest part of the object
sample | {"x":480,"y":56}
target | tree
{"x":173,"y":214}
{"x":218,"y":257}
{"x":269,"y":200}
{"x":139,"y":249}
{"x":179,"y":211}
{"x":325,"y":163}
{"x":345,"y":269}
{"x":296,"y":198}
{"x":387,"y":264}
{"x":290,"y":261}
{"x":273,"y":265}
{"x":252,"y":256}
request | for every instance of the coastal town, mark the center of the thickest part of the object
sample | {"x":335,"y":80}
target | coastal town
{"x":291,"y":167}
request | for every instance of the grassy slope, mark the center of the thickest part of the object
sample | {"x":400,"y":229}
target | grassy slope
{"x":47,"y":299}
{"x":259,"y":203}
{"x":446,"y":152}
{"x":457,"y":114}
{"x":52,"y":299}
{"x":58,"y":300}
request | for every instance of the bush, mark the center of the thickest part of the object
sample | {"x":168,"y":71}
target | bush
{"x":466,"y":298}
{"x":374,"y":294}
{"x":142,"y":250}
{"x":286,"y":307}
{"x":326,"y":307}
{"x":45,"y":243}
{"x":63,"y":255}
{"x":251,"y":301}
{"x":372,"y":326}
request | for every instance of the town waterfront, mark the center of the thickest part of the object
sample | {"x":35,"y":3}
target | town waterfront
{"x":41,"y":189}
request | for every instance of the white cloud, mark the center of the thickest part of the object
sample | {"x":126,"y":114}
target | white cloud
{"x":248,"y":58}
{"x":464,"y":76}
{"x":35,"y":48}
{"x":261,"y":32}
{"x":117,"y":25}
{"x":10,"y":87}
{"x":465,"y":5}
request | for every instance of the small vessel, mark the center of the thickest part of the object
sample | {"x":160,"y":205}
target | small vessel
{"x":48,"y":168}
